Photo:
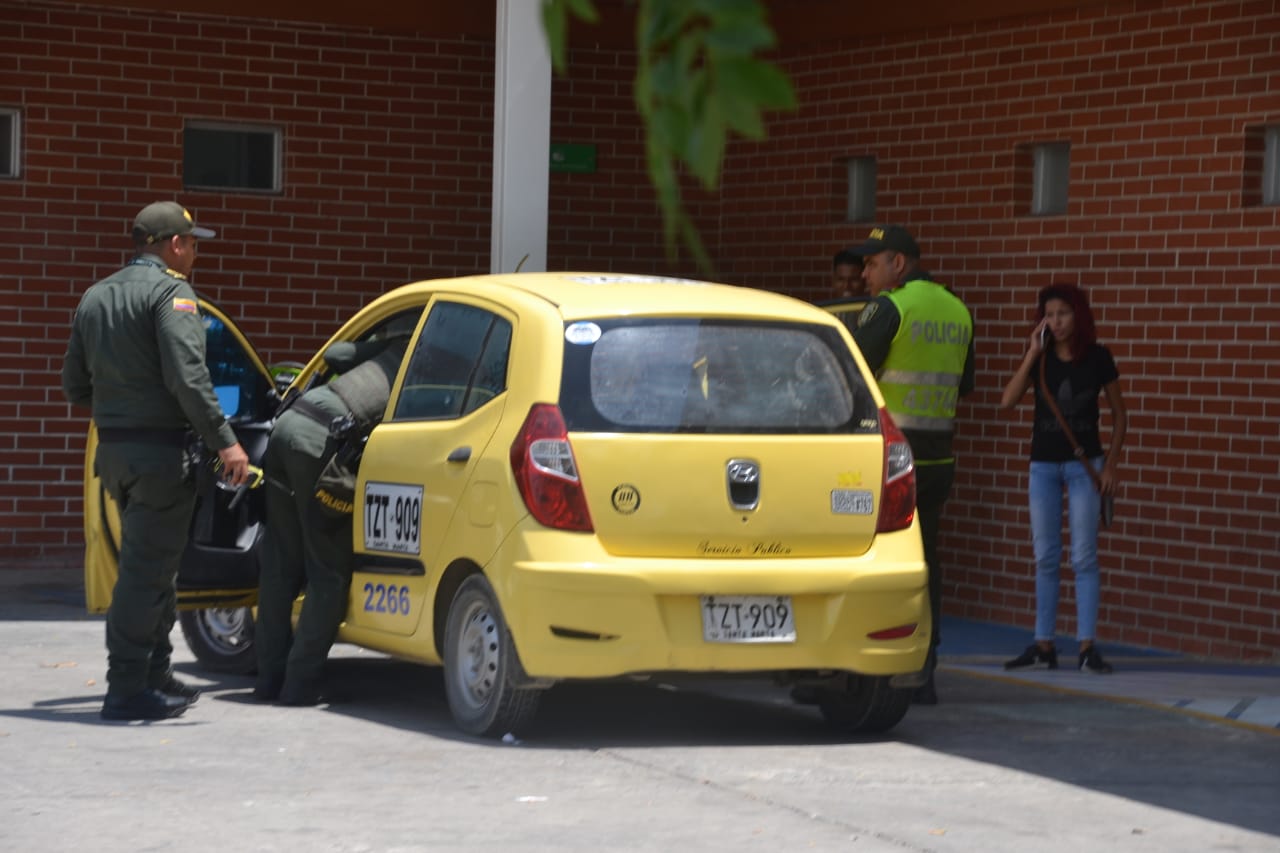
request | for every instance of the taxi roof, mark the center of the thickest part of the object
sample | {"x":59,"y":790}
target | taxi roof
{"x":582,"y":295}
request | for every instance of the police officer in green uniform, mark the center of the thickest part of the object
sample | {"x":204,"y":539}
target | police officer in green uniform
{"x":137,"y":358}
{"x":917,"y":337}
{"x":306,"y":545}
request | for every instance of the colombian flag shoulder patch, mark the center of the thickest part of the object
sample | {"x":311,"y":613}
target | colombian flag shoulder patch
{"x":186,"y":306}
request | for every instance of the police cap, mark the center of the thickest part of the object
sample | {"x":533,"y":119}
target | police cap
{"x":887,"y":238}
{"x":164,"y":219}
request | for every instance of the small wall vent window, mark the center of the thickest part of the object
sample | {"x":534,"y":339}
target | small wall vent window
{"x":1271,"y":166}
{"x":9,"y":136}
{"x":1051,"y":176}
{"x":860,"y":189}
{"x":230,"y":157}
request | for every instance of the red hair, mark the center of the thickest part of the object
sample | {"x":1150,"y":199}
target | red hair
{"x":1086,"y":332}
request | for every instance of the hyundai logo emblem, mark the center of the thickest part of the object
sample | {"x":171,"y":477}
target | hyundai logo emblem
{"x":743,"y":477}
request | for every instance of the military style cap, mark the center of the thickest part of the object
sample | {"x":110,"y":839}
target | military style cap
{"x":887,"y":238}
{"x":164,"y":219}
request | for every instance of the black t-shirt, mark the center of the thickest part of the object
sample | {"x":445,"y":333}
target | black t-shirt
{"x":1075,"y":386}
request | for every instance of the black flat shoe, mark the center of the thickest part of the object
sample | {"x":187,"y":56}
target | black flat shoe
{"x":150,"y":704}
{"x":1034,"y":657}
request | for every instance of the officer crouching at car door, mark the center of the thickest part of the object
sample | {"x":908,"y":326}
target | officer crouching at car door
{"x":308,"y":540}
{"x":917,"y":337}
{"x":137,"y":358}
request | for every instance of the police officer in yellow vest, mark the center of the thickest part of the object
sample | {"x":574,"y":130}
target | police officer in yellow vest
{"x":137,"y":358}
{"x":917,"y":337}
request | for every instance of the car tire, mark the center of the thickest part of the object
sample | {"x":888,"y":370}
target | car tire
{"x":221,"y":638}
{"x":481,"y":666}
{"x":868,"y":705}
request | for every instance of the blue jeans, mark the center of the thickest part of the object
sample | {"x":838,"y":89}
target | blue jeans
{"x":1083,"y":506}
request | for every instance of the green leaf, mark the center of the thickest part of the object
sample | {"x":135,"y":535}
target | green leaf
{"x":760,"y":83}
{"x":739,"y":37}
{"x":584,"y":10}
{"x":669,"y":128}
{"x":667,"y":78}
{"x":706,"y":146}
{"x":555,"y":20}
{"x":556,"y":23}
{"x":658,"y":22}
{"x":726,"y":10}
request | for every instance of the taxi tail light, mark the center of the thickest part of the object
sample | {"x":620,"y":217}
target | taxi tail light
{"x":898,"y":490}
{"x":546,"y":472}
{"x":897,"y":633}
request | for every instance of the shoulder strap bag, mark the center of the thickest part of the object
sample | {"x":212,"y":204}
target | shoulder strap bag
{"x":1108,"y":501}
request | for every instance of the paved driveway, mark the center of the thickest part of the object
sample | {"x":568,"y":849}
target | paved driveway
{"x":661,"y":766}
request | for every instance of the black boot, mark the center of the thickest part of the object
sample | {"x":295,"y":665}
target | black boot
{"x":267,"y":688}
{"x":301,"y":694}
{"x":173,"y":687}
{"x":149,"y":704}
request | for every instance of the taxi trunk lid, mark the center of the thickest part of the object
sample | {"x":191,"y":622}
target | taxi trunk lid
{"x":731,"y":496}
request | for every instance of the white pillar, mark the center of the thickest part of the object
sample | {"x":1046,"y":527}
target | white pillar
{"x":521,"y":138}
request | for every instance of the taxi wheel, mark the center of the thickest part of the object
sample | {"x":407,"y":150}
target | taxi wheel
{"x":480,"y":665}
{"x":221,"y":638}
{"x":867,"y":706}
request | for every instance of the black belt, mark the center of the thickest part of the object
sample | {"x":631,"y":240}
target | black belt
{"x":142,"y":435}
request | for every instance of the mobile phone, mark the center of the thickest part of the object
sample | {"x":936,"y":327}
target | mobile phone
{"x":1046,"y":337}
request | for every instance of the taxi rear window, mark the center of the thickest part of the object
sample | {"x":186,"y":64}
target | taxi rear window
{"x":662,"y":375}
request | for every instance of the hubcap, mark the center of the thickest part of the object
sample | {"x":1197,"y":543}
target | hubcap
{"x":477,"y":663}
{"x":225,"y":628}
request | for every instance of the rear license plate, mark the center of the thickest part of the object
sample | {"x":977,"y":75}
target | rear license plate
{"x":852,"y":502}
{"x":748,"y":619}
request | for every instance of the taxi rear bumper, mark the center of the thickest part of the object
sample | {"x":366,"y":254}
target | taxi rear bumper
{"x":600,"y":616}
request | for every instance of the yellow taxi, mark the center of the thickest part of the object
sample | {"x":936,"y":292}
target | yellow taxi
{"x":584,"y":476}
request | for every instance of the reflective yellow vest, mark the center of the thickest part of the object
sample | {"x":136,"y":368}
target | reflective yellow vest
{"x":920,"y":379}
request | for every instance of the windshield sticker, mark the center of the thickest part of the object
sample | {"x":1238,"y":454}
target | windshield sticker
{"x":582,"y":333}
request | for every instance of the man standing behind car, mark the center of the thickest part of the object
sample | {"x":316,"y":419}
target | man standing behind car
{"x":308,"y":544}
{"x":137,"y":358}
{"x":846,"y":275}
{"x":917,"y":337}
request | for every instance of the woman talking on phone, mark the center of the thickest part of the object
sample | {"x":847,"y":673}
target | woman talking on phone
{"x":1069,"y":371}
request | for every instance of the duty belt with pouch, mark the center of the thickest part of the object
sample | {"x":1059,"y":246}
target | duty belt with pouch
{"x":339,"y":426}
{"x":334,"y":490}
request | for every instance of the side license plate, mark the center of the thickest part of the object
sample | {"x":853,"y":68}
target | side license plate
{"x":852,"y":502}
{"x":392,"y":517}
{"x":748,"y":619}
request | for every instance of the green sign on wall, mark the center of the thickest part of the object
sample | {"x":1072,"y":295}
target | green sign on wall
{"x":566,"y":157}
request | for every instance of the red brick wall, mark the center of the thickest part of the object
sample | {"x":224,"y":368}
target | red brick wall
{"x":1156,"y":100}
{"x":387,"y":179}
